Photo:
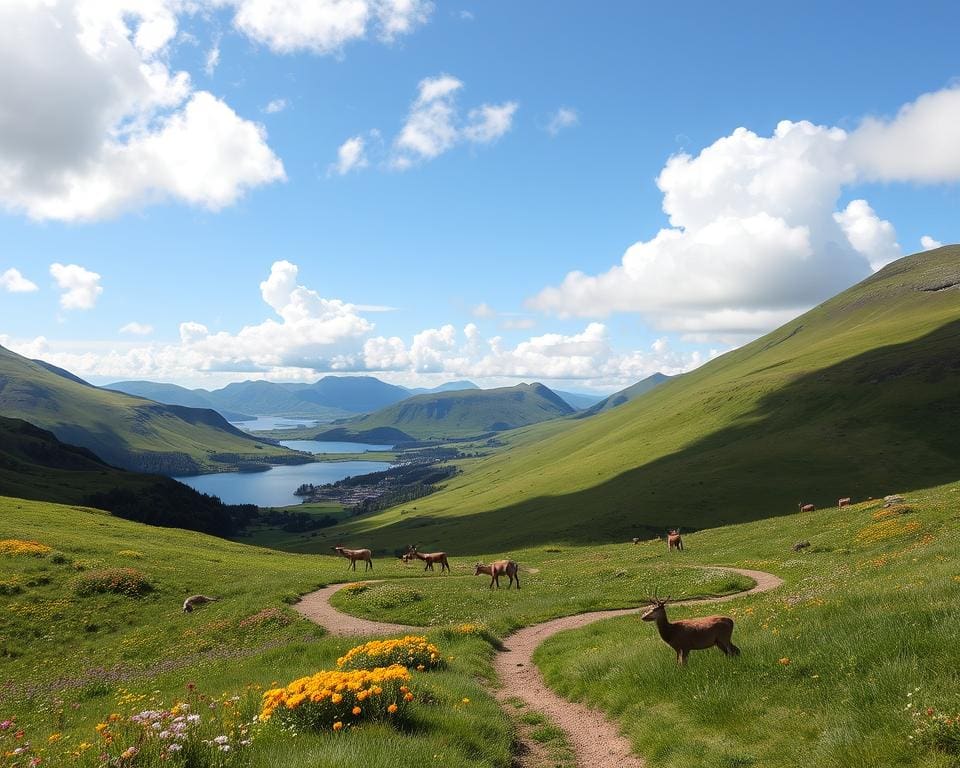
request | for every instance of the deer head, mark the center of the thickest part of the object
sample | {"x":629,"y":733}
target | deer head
{"x":658,"y":608}
{"x":479,"y":569}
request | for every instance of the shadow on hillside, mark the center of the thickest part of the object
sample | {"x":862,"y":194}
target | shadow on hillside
{"x":882,"y":422}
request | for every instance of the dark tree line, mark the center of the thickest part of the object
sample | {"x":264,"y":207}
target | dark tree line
{"x":173,"y":504}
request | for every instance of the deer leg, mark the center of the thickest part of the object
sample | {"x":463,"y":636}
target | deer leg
{"x":683,"y":658}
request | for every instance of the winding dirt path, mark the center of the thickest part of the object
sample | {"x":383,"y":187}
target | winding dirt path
{"x":594,"y":739}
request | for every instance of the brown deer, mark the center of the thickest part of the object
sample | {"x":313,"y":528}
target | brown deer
{"x":806,"y":507}
{"x":500,"y":568}
{"x":356,"y":554}
{"x":674,"y":541}
{"x":692,"y":634}
{"x":429,"y":559}
{"x":845,"y":502}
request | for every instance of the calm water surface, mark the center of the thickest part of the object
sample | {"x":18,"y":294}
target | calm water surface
{"x":328,"y":446}
{"x":275,"y":487}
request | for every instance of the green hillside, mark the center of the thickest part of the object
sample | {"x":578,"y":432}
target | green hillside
{"x":624,"y":396}
{"x":465,"y":413}
{"x":35,"y":465}
{"x":126,"y":431}
{"x":858,"y":397}
{"x":173,"y":394}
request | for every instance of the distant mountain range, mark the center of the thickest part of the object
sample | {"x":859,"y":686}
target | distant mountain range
{"x":456,"y":414}
{"x":126,"y":431}
{"x":328,"y":399}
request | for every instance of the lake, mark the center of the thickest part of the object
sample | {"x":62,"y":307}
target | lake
{"x":329,"y":446}
{"x":275,"y":487}
{"x":265,"y":423}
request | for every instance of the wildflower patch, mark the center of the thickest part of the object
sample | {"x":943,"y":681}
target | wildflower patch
{"x":411,"y":651}
{"x":887,"y":528}
{"x":329,"y":700}
{"x":20,"y":548}
{"x":120,"y":581}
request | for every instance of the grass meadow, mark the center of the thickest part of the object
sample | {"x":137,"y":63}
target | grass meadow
{"x":840,"y":666}
{"x":91,"y":626}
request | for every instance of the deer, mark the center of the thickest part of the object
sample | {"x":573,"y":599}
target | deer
{"x":429,"y":559}
{"x":691,"y":634}
{"x":499,"y":568}
{"x":806,"y":507}
{"x":845,"y":502}
{"x":674,"y":541}
{"x":356,"y":554}
{"x":194,"y":600}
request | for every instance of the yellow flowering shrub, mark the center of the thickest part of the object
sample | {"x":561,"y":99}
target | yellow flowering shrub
{"x":16,"y":547}
{"x":410,"y":651}
{"x":329,"y":698}
{"x":887,"y":528}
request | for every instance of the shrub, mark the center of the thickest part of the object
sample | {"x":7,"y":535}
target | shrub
{"x":10,"y":587}
{"x":120,"y":581}
{"x":19,"y":547}
{"x":409,"y":651}
{"x":330,"y":699}
{"x":266,"y":616}
{"x":937,"y":731}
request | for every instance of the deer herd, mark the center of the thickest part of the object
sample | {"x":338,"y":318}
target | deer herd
{"x":683,"y":636}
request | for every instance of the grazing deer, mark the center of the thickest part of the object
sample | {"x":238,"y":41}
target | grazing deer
{"x":498,"y":569}
{"x":356,"y":554}
{"x":674,"y":541}
{"x":429,"y":559}
{"x":841,"y":503}
{"x":194,"y":600}
{"x":692,"y":634}
{"x":806,"y":507}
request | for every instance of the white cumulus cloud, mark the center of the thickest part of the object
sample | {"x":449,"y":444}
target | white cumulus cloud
{"x":928,"y":243}
{"x":100,"y":122}
{"x":325,"y":26}
{"x":351,"y":156}
{"x":13,"y":281}
{"x":755,"y":235}
{"x":435,"y":124}
{"x":564,"y":117}
{"x":488,"y":123}
{"x":276,"y":105}
{"x":80,"y":288}
{"x":137,"y":329}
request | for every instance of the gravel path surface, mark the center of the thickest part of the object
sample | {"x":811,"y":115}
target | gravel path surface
{"x":595,"y":740}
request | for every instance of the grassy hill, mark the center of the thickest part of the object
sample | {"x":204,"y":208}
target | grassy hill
{"x":625,"y":395}
{"x":858,"y":397}
{"x":134,"y":649}
{"x":35,"y":465}
{"x":464,"y":413}
{"x":173,"y":394}
{"x":126,"y":431}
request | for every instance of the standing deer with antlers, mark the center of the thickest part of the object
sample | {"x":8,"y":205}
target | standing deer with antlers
{"x":495,"y":570}
{"x":356,"y":554}
{"x":429,"y":558}
{"x":692,"y":634}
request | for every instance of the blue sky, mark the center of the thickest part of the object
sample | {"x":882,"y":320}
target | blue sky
{"x":448,"y":253}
